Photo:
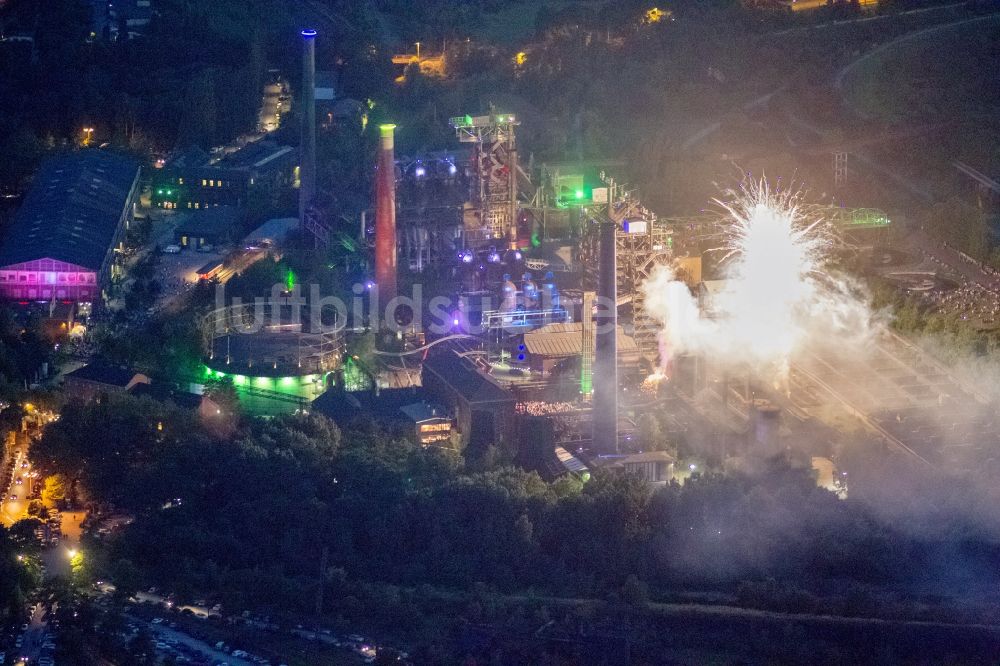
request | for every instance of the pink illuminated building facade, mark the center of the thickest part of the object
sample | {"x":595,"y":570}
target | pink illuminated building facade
{"x":45,"y":279}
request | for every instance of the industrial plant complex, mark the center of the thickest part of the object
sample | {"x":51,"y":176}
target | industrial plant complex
{"x":555,"y":323}
{"x":533,"y":332}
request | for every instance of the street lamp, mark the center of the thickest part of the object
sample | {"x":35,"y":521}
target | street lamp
{"x":88,"y":134}
{"x":418,"y":51}
{"x":72,"y":553}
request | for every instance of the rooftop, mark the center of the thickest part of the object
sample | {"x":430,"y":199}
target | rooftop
{"x":423,"y":411}
{"x":273,"y":230}
{"x":73,"y":210}
{"x":569,"y":461}
{"x":326,"y":85}
{"x":112,"y":375}
{"x":213,"y":221}
{"x":567,"y":340}
{"x":166,"y":393}
{"x":465,"y":379}
{"x":384,"y":405}
{"x":256,"y":155}
{"x":193,"y":156}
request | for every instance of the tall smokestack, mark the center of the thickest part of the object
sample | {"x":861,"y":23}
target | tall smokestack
{"x":605,"y":409}
{"x":587,"y":357}
{"x":385,"y":215}
{"x":307,"y":161}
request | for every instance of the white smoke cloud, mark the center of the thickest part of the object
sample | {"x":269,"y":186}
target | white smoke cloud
{"x":778,"y":297}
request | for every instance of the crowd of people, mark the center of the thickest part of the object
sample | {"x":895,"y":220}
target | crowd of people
{"x":539,"y":408}
{"x":969,"y":302}
{"x":972,"y":300}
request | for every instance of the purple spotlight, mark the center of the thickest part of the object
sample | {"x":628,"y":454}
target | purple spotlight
{"x":467,"y":257}
{"x":369,"y":285}
{"x":420,"y":172}
{"x":452,"y":169}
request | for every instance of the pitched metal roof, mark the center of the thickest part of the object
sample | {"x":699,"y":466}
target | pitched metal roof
{"x":72,"y":211}
{"x":257,"y":155}
{"x":383,"y":403}
{"x":569,"y":461}
{"x":423,"y":411}
{"x":567,"y":340}
{"x":193,"y":156}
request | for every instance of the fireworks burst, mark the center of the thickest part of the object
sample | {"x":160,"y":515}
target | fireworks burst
{"x":774,"y":261}
{"x":778,"y":294}
{"x":765,"y":224}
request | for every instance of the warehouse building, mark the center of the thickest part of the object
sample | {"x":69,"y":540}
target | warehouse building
{"x":192,"y":180}
{"x":65,"y":241}
{"x":484,"y":410}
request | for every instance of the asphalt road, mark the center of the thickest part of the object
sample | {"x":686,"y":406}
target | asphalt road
{"x":34,"y":636}
{"x":14,"y":509}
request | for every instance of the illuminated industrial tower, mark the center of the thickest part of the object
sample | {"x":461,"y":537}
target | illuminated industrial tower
{"x":496,"y":170}
{"x":385,"y":215}
{"x":307,"y":160}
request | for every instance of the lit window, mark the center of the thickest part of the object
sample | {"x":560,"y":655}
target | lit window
{"x":180,"y":181}
{"x":197,"y":205}
{"x":204,"y":182}
{"x":211,"y":183}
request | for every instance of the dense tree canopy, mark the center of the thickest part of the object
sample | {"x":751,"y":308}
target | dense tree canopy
{"x":261,"y":506}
